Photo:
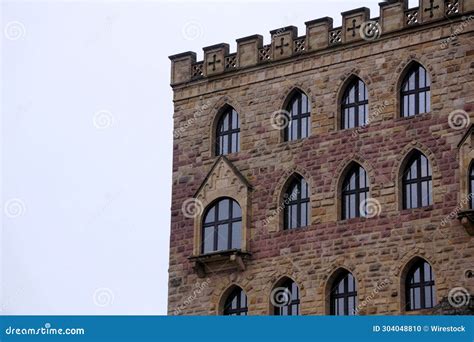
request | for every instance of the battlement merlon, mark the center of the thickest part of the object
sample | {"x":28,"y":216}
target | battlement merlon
{"x":320,"y":34}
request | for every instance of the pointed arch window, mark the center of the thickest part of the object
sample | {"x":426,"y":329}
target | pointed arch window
{"x":415,"y":91}
{"x":222,"y":226}
{"x":296,"y":204}
{"x":355,"y":191}
{"x":299,"y":112}
{"x":420,"y":287}
{"x":236,"y":303}
{"x":343,"y":298}
{"x":228,"y":132}
{"x":355,"y":105}
{"x":286,"y":299}
{"x":417,"y":182}
{"x":471,"y":185}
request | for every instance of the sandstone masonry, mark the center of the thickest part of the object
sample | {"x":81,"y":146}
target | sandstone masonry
{"x":256,"y":81}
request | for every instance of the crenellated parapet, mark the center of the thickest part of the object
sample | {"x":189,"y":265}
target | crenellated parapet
{"x":357,"y":25}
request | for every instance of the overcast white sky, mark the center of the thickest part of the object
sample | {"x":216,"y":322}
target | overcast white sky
{"x":87,"y":141}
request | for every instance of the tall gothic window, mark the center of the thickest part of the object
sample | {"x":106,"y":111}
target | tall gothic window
{"x":296,"y":205}
{"x":415,"y":91}
{"x":299,"y":123}
{"x":286,"y":299}
{"x":355,"y":103}
{"x":420,"y":286}
{"x":344,"y":295}
{"x":471,"y":185}
{"x":222,"y":226}
{"x":417,"y":183}
{"x":355,"y":190}
{"x":236,"y":303}
{"x":228,"y":132}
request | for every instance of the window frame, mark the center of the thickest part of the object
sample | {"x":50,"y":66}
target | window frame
{"x":415,"y":69}
{"x":237,"y":292}
{"x":297,"y":182}
{"x":227,"y":134}
{"x":419,"y":180}
{"x":355,"y":168}
{"x":297,"y":118}
{"x":354,"y":83}
{"x":215,"y":223}
{"x":345,"y":295}
{"x":422,"y":285}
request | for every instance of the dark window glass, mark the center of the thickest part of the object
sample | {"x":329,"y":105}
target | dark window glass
{"x":355,"y":191}
{"x":299,"y":117}
{"x":296,"y":204}
{"x":228,"y":133}
{"x":415,"y":92}
{"x":355,"y":104}
{"x":344,"y":295}
{"x":222,"y":226}
{"x":290,"y":293}
{"x":471,"y":185}
{"x":417,"y":182}
{"x":236,"y":303}
{"x":420,"y":287}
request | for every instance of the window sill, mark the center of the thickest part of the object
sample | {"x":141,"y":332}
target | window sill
{"x":219,"y":261}
{"x":293,"y":143}
{"x":403,"y":118}
{"x":416,"y":210}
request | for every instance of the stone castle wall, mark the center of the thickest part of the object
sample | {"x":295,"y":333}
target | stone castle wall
{"x":376,"y":250}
